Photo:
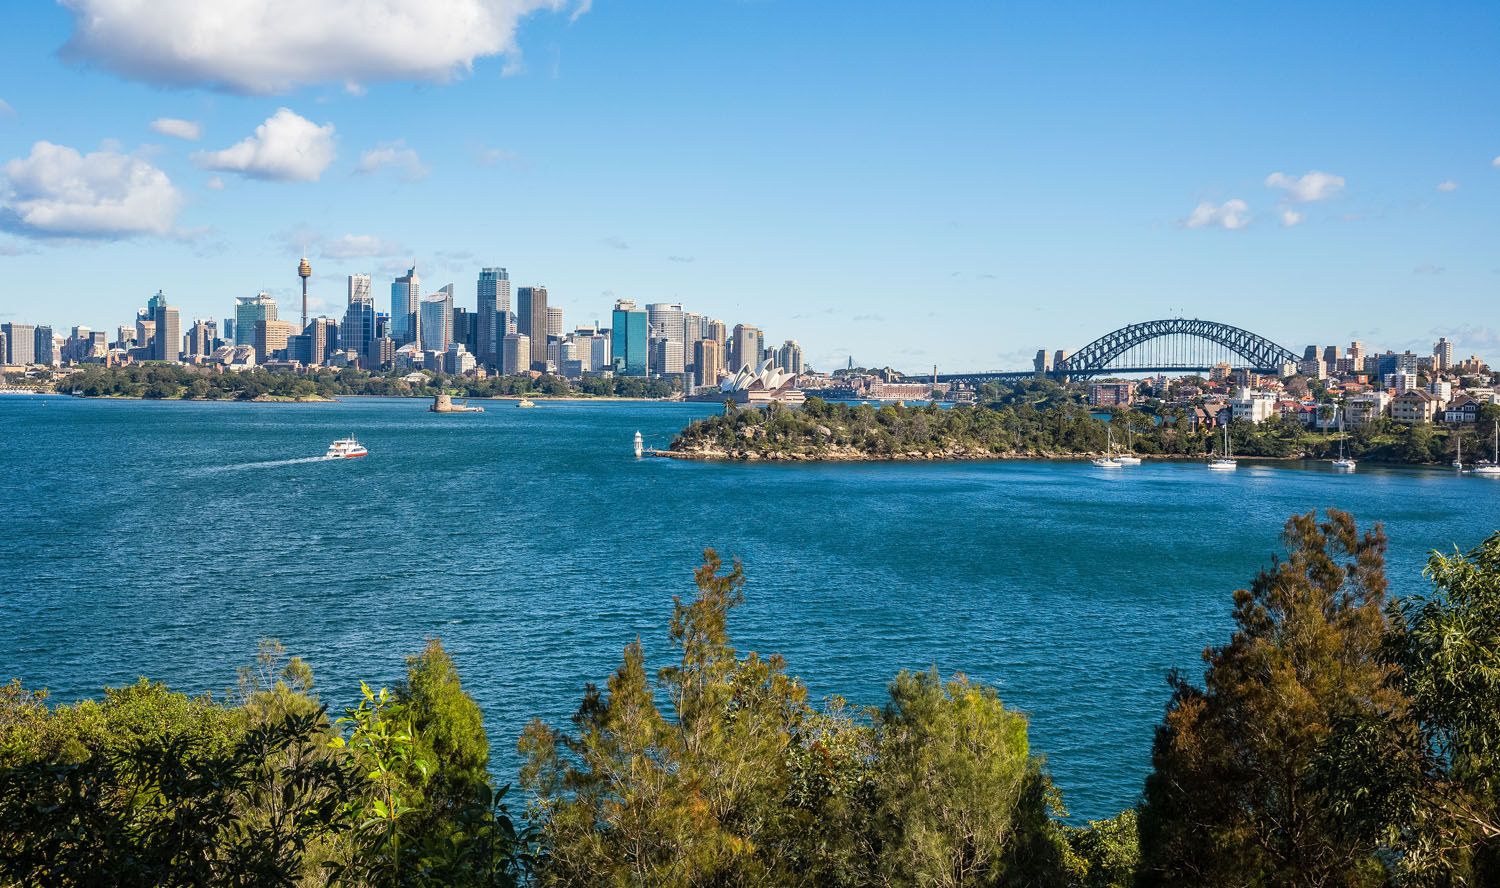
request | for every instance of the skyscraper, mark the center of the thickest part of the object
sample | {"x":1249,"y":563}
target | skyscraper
{"x":200,"y":339}
{"x":493,"y":309}
{"x":515,"y":354}
{"x":744,"y":348}
{"x":406,"y":295}
{"x":708,"y":362}
{"x":249,"y":313}
{"x":168,"y":341}
{"x":322,"y":339}
{"x":270,"y":338}
{"x":45,"y":349}
{"x":20,"y":344}
{"x":789,"y":357}
{"x":358,"y":331}
{"x":531,"y":320}
{"x":437,"y":321}
{"x":359,"y":289}
{"x":667,"y":322}
{"x":630,"y":339}
{"x":554,"y":321}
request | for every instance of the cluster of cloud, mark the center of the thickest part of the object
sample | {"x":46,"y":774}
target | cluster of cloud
{"x":286,"y":148}
{"x":1234,"y":214}
{"x":392,"y":155}
{"x":1231,"y":214}
{"x":187,"y":130}
{"x":58,"y":192}
{"x":264,"y":47}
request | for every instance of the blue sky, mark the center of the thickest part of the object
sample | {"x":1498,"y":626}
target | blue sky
{"x":950,"y":183}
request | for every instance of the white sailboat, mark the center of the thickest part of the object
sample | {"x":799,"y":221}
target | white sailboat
{"x":1458,"y":459}
{"x":639,"y":445}
{"x":1343,"y":462}
{"x":1129,"y":458}
{"x":1226,"y":462}
{"x":1491,"y":468}
{"x":1108,"y":461}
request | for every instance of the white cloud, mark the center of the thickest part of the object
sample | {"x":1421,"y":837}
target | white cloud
{"x":353,"y":246}
{"x":215,"y":183}
{"x":286,"y":148}
{"x":1231,"y":214}
{"x":1496,"y":162}
{"x":1448,"y":185}
{"x":1309,"y":188}
{"x":178,"y":129}
{"x":1428,"y":268}
{"x":492,"y":156}
{"x":6,"y":110}
{"x":1290,"y":218}
{"x":392,"y":154}
{"x":58,"y":192}
{"x":274,"y":46}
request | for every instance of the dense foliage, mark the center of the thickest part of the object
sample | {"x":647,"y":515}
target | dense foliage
{"x":1337,"y":739}
{"x":1055,"y":424}
{"x":163,"y":380}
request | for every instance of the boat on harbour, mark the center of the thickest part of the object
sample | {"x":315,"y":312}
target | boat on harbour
{"x":345,"y":448}
{"x":1344,"y":463}
{"x":1107,"y":461}
{"x":1128,"y":458}
{"x":1226,"y":462}
{"x":526,"y":402}
{"x":1492,"y":467}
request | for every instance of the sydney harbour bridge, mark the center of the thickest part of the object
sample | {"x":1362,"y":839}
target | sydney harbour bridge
{"x":1172,"y":345}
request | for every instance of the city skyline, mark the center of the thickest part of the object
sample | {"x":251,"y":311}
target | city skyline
{"x":837,"y":193}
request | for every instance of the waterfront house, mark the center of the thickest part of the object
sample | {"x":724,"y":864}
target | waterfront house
{"x":1414,"y":406}
{"x":1463,"y":411}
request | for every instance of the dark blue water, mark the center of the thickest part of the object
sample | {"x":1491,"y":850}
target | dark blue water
{"x":164,"y":539}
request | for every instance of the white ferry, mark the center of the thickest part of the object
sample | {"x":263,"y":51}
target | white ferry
{"x":345,"y":448}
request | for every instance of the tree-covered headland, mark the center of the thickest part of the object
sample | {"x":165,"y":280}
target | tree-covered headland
{"x":1038,"y":420}
{"x":159,"y":380}
{"x":1339,"y":737}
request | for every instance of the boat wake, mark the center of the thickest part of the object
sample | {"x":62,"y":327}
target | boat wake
{"x":270,"y":464}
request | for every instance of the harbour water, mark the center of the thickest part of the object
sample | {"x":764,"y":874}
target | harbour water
{"x":164,"y":539}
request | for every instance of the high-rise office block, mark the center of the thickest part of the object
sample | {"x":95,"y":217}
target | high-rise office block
{"x":168,"y":341}
{"x":437,"y":321}
{"x":717,"y":331}
{"x":708,"y":362}
{"x":554,"y":321}
{"x":744,"y":348}
{"x":271,"y":337}
{"x":44,"y":348}
{"x":322,"y":339}
{"x":20,"y":343}
{"x":406,"y":295}
{"x":531,"y":320}
{"x":515,"y":353}
{"x":357,"y":333}
{"x":667,"y":356}
{"x":249,"y":313}
{"x":359,"y":289}
{"x":789,"y":357}
{"x":630,"y":339}
{"x":493,"y":310}
{"x":667,"y":322}
{"x":466,"y":330}
{"x":599,"y":356}
{"x":200,"y":339}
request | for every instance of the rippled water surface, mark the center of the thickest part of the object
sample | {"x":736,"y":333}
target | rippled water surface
{"x":164,"y":539}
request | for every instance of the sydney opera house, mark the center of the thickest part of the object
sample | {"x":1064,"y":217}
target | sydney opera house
{"x":757,"y":387}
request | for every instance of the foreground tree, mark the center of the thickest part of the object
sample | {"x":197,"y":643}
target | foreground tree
{"x":1448,"y":647}
{"x":740,"y":782}
{"x":1274,"y":772}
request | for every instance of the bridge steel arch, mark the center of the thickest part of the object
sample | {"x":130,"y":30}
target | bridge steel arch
{"x":1260,"y":354}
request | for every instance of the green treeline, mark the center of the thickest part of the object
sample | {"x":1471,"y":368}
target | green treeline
{"x":1338,"y":738}
{"x":164,"y":380}
{"x":1039,"y":419}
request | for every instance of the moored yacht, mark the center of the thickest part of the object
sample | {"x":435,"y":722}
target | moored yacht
{"x":1343,"y":462}
{"x":345,"y":448}
{"x":1491,"y":468}
{"x":1226,"y":462}
{"x":1108,"y":461}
